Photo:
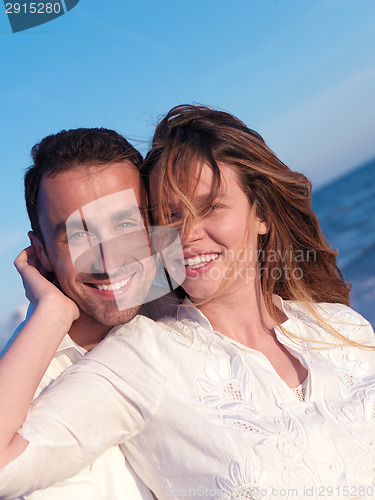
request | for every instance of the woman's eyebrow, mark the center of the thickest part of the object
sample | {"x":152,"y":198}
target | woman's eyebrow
{"x":204,"y":198}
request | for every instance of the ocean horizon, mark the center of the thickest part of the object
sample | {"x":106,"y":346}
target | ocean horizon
{"x":346,"y":212}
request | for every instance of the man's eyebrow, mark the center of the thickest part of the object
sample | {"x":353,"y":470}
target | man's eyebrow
{"x":60,"y":229}
{"x":81,"y":224}
{"x":122,"y":214}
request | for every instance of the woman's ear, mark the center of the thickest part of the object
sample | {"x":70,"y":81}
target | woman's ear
{"x":40,"y":253}
{"x":263,"y":226}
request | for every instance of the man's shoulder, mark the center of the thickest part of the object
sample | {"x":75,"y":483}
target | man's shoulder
{"x":66,"y":355}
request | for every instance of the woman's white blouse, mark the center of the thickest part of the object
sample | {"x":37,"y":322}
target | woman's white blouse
{"x":201,"y":415}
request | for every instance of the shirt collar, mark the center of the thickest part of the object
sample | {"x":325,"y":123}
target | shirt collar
{"x":188,"y":311}
{"x":68,"y":343}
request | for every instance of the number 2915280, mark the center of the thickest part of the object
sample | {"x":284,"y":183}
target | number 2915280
{"x":33,"y":8}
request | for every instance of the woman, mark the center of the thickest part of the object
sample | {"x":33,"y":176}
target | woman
{"x":261,"y":386}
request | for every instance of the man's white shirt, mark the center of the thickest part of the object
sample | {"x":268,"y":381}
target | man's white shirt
{"x":109,"y":477}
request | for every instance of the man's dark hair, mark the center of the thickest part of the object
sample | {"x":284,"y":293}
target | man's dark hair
{"x":70,"y":149}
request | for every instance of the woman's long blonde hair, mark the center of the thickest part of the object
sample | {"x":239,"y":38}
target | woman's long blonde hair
{"x":295,"y":260}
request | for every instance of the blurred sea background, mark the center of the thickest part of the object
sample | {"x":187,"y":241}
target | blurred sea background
{"x":346,"y":211}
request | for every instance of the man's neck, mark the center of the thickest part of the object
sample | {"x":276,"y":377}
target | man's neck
{"x":87,"y":332}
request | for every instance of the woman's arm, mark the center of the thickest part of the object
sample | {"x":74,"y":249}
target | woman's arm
{"x":25,"y":362}
{"x":106,"y":398}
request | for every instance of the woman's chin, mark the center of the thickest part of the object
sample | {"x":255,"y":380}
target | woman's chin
{"x":200,"y":292}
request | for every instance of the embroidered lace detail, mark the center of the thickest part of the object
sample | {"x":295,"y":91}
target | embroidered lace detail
{"x":300,"y":391}
{"x":350,"y":371}
{"x":244,"y":482}
{"x":244,"y":426}
{"x":232,"y":391}
{"x":227,"y":388}
{"x":349,"y":379}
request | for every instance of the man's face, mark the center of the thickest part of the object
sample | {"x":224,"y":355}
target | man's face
{"x":87,"y":214}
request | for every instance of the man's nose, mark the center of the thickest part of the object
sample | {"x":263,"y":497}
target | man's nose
{"x":124,"y":250}
{"x":103,"y":257}
{"x":111,"y":255}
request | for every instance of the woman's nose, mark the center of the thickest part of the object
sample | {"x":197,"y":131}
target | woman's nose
{"x":193,"y":231}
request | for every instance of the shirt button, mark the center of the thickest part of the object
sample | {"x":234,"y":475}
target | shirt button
{"x":334,"y":467}
{"x":310,"y":410}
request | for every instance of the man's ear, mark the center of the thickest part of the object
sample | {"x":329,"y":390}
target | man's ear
{"x":40,"y":252}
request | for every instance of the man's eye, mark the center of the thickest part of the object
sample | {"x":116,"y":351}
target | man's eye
{"x":127,"y":224}
{"x":79,"y":236}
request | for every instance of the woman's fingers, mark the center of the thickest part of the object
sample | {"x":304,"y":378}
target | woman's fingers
{"x":28,"y":258}
{"x":34,"y":283}
{"x":23,"y":257}
{"x":38,"y":288}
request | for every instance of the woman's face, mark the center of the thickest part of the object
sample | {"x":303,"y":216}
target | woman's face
{"x":220,"y":248}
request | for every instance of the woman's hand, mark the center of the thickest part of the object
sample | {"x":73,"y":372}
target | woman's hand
{"x":22,"y":366}
{"x":39,"y":290}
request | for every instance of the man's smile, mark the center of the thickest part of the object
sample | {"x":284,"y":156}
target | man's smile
{"x":119,"y":286}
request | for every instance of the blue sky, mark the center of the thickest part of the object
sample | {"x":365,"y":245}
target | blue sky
{"x":302,"y":73}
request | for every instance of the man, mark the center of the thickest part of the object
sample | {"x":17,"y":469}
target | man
{"x":71,"y":170}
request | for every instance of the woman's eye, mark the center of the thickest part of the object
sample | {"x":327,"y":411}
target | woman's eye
{"x":171,"y":216}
